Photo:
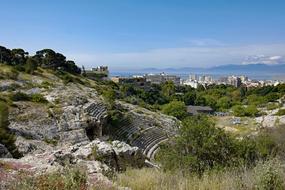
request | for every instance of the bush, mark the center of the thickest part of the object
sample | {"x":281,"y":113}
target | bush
{"x":224,"y":103}
{"x":269,"y":175}
{"x":68,"y":78}
{"x":241,"y":111}
{"x":19,"y":96}
{"x":176,"y":109}
{"x":238,"y":110}
{"x":110,"y":96}
{"x":272,"y":106}
{"x":39,"y":98}
{"x":6,"y":137}
{"x":251,"y":111}
{"x":280,"y":112}
{"x":9,"y":73}
{"x":199,"y":147}
{"x":31,"y":65}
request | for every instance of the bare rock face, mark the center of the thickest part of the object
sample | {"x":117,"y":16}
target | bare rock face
{"x":116,"y":155}
{"x":271,"y":119}
{"x":73,"y":115}
{"x":99,"y":158}
{"x":4,"y":153}
{"x":26,"y":146}
{"x":128,"y":156}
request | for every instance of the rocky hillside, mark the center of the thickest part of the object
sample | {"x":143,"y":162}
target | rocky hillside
{"x":59,"y":120}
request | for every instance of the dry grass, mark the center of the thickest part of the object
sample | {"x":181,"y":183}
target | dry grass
{"x":151,"y":179}
{"x":268,"y":175}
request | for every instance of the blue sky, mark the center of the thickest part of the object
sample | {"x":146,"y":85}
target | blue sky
{"x":149,"y":33}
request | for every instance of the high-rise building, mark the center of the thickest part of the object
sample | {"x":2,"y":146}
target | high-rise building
{"x":208,"y":79}
{"x":201,"y":78}
{"x":193,"y":77}
{"x":234,"y":80}
{"x":243,"y":78}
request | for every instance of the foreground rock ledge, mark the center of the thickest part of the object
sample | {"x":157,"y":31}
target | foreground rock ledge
{"x":99,"y":158}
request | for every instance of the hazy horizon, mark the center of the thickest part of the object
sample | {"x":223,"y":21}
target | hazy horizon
{"x":142,"y":34}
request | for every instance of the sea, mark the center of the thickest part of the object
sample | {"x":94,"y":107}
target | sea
{"x":185,"y":75}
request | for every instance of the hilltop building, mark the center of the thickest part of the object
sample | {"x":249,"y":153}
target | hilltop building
{"x":100,"y":72}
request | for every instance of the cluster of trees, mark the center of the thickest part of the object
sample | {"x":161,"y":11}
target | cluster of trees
{"x":45,"y":58}
{"x":200,"y":146}
{"x":219,"y":97}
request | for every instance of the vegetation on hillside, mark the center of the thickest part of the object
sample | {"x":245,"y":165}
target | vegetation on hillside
{"x":45,"y":58}
{"x":243,"y":101}
{"x":200,"y":146}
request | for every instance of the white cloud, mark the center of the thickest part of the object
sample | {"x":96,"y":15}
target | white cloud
{"x":204,"y":56}
{"x":205,"y":42}
{"x":277,"y":59}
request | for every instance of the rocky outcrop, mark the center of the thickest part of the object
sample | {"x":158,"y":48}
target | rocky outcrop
{"x":271,"y":120}
{"x":4,"y":153}
{"x":99,"y":158}
{"x":73,"y":115}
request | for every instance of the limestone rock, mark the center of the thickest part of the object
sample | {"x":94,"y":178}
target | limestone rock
{"x":4,"y":153}
{"x":26,"y":146}
{"x":75,"y":116}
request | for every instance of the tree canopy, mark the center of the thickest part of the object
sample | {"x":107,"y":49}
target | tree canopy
{"x":46,"y":58}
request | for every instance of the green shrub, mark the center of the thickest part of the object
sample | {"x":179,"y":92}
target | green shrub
{"x":266,"y":146}
{"x":238,"y":110}
{"x":272,"y":106}
{"x":109,"y":95}
{"x":176,"y":109}
{"x":9,"y":73}
{"x":19,"y":96}
{"x":199,"y":147}
{"x":241,"y":111}
{"x":46,"y":85}
{"x":280,"y":112}
{"x":30,"y":66}
{"x":6,"y":137}
{"x":68,"y":78}
{"x":251,"y":111}
{"x":39,"y":98}
{"x":269,"y":175}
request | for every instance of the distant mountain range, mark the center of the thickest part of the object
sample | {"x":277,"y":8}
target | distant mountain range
{"x":254,"y":71}
{"x":249,"y":69}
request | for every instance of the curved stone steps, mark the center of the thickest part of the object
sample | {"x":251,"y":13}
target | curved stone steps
{"x":97,"y":110}
{"x":124,"y":130}
{"x":145,"y":140}
{"x":152,"y":151}
{"x":145,"y":136}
